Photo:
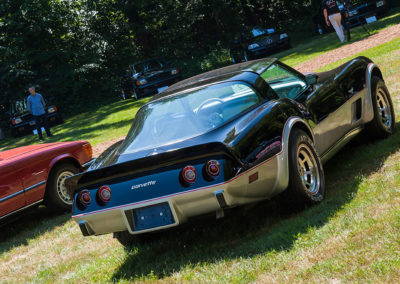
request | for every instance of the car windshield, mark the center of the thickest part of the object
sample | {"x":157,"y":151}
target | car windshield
{"x":260,"y":31}
{"x":188,"y":114}
{"x":19,"y":106}
{"x":148,"y":65}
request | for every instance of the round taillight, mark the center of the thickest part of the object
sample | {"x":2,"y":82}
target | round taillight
{"x":84,"y":197}
{"x":189,"y":174}
{"x":213,"y":168}
{"x":104,"y":193}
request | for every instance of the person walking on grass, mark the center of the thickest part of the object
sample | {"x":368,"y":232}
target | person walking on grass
{"x":36,"y":106}
{"x":332,"y":16}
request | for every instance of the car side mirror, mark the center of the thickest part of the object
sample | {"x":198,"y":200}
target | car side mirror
{"x":311,"y":79}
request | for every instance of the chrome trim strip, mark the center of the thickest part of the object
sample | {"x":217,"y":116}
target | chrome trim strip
{"x":35,"y":185}
{"x":12,"y":195}
{"x":20,"y":209}
{"x":22,"y":191}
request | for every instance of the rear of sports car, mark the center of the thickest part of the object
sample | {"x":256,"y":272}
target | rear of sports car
{"x":166,"y":190}
{"x":154,"y":196}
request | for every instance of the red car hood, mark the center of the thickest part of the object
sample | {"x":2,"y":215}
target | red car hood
{"x":38,"y":148}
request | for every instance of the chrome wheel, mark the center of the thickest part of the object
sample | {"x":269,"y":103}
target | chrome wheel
{"x":62,"y":189}
{"x":308,"y":169}
{"x":384,"y":109}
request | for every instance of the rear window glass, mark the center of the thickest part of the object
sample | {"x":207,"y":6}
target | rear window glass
{"x":188,"y":114}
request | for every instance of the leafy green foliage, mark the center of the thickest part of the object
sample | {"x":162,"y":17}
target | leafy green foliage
{"x":77,"y":51}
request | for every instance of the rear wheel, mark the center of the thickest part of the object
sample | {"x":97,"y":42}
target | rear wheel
{"x":306,"y":175}
{"x":383,"y":123}
{"x":57,"y":198}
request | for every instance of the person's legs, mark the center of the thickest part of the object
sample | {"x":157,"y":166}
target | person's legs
{"x":46,"y":125}
{"x":335,"y":20}
{"x":38,"y":122}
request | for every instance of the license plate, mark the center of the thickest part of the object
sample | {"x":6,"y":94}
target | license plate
{"x":152,"y":217}
{"x":370,"y":19}
{"x":379,"y":4}
{"x":32,"y":123}
{"x":159,"y":90}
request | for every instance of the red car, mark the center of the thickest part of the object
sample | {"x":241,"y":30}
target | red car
{"x":35,"y":174}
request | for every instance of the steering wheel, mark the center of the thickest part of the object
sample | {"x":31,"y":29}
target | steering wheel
{"x":215,"y":117}
{"x":208,"y":102}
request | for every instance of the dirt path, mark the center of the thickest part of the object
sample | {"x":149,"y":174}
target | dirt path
{"x":347,"y":50}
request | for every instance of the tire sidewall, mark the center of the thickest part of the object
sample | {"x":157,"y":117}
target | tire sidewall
{"x":296,"y":186}
{"x":52,"y":198}
{"x":377,"y":84}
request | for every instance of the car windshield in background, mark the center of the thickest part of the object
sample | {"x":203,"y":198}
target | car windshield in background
{"x":189,"y":114}
{"x":259,"y":31}
{"x":148,"y":65}
{"x":19,"y":106}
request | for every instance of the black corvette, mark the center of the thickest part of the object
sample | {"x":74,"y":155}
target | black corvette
{"x":226,"y":138}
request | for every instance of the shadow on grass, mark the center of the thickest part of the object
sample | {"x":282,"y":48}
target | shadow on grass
{"x":28,"y":225}
{"x":266,"y":228}
{"x":80,"y":127}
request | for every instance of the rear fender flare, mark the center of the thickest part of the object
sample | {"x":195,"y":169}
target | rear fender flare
{"x":293,"y":122}
{"x":372,"y":70}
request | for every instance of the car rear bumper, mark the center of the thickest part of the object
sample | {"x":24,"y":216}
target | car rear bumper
{"x":257,"y":184}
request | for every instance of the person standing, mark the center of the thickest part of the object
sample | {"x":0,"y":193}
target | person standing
{"x":36,"y":106}
{"x":332,"y":16}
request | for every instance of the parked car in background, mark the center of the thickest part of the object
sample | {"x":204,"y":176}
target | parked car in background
{"x":148,"y":78}
{"x":356,"y":12}
{"x":361,"y":10}
{"x":229,"y":137}
{"x":257,"y":42}
{"x":35,"y":174}
{"x":21,"y":121}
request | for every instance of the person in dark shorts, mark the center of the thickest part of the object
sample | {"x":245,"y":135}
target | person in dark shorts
{"x":36,"y":106}
{"x":332,"y":16}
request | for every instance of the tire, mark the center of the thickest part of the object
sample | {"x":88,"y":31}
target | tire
{"x":56,"y":197}
{"x":306,"y":174}
{"x":126,"y":239}
{"x":383,"y":123}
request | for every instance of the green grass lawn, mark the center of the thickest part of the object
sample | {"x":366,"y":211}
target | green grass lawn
{"x":352,"y":236}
